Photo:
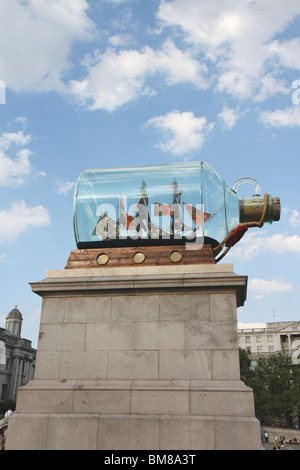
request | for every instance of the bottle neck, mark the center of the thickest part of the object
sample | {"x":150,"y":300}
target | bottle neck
{"x":251,"y":209}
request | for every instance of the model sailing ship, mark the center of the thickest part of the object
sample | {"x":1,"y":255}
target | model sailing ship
{"x":139,"y":225}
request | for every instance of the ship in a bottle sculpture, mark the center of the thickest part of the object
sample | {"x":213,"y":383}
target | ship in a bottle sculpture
{"x":179,"y":213}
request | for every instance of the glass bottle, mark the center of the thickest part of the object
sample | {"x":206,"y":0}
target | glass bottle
{"x":162,"y":204}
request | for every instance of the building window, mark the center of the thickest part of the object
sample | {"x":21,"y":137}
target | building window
{"x":258,"y":339}
{"x":248,"y":349}
{"x":270,"y":338}
{"x":247,"y":339}
{"x":271,"y":349}
{"x":259,"y":349}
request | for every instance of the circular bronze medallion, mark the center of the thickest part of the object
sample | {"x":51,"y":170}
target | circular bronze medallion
{"x":139,"y":258}
{"x":175,"y":256}
{"x":102,"y":259}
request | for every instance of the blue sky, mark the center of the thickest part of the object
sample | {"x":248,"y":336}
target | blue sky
{"x":108,"y":83}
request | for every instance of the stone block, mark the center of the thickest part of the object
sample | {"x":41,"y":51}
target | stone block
{"x":45,"y":401}
{"x":222,"y":403}
{"x":83,"y":365}
{"x":237,"y":433}
{"x":225,"y":365}
{"x":184,"y":307}
{"x":160,"y":335}
{"x":128,"y":432}
{"x":53,"y":310}
{"x":101,"y":401}
{"x":211,"y":335}
{"x":223,"y":306}
{"x":27,"y":432}
{"x":47,"y":365}
{"x":133,"y":365}
{"x":126,"y":308}
{"x":61,"y":337}
{"x":160,"y":402}
{"x":72,"y":432}
{"x":85,"y":309}
{"x":109,"y":336}
{"x":185,"y":364}
{"x":187,"y":433}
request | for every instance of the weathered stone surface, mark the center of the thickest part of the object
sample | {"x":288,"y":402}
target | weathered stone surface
{"x":137,"y":358}
{"x":133,"y":364}
{"x":183,"y":307}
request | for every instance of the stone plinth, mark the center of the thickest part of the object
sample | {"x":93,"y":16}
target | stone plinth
{"x":137,"y":358}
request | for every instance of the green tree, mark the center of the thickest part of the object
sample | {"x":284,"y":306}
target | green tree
{"x":296,"y":390}
{"x":246,"y":372}
{"x":273,"y":384}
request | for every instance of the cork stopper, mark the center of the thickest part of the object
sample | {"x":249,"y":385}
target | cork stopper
{"x":251,"y":209}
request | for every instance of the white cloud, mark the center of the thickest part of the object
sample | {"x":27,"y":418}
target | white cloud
{"x":179,"y":66}
{"x":121,"y":40}
{"x":118,"y":2}
{"x":238,"y":38}
{"x":287,"y":52}
{"x":63,"y":187}
{"x":183,"y":132}
{"x":9,"y":138}
{"x":263,"y":287}
{"x":233,"y":45}
{"x":19,"y":218}
{"x":229,"y":117}
{"x":253,"y":244}
{"x":289,"y":117}
{"x":295,"y":218}
{"x":36,"y":38}
{"x":115,"y":78}
{"x":13,"y":170}
{"x":270,"y":86}
{"x":22,"y":119}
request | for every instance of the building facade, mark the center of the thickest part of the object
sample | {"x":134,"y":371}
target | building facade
{"x":17,"y":360}
{"x":276,"y":337}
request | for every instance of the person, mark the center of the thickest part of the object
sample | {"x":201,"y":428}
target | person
{"x":8,"y":413}
{"x":267,"y":436}
{"x":3,"y":427}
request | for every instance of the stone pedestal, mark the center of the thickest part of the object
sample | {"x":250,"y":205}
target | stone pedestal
{"x":137,"y":358}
